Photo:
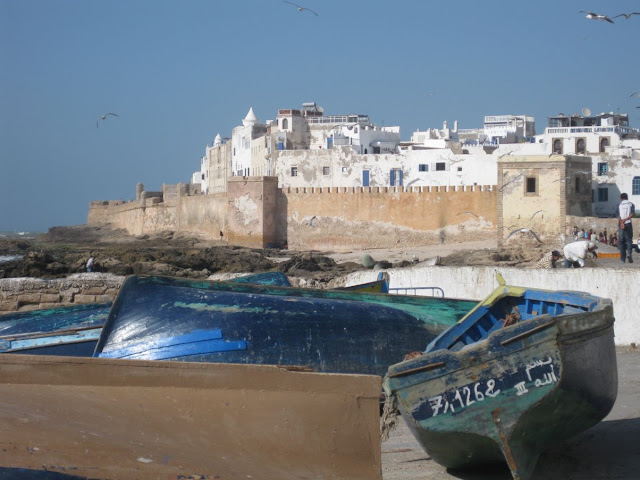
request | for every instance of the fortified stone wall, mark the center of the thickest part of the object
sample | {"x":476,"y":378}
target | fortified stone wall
{"x":256,"y":213}
{"x":378,"y":217}
{"x":135,"y":217}
{"x":203,"y":214}
{"x":25,"y":294}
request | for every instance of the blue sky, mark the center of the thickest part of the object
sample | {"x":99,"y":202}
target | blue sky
{"x":178,"y":72}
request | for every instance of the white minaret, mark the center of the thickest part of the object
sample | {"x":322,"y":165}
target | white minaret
{"x":250,"y":119}
{"x":217,"y":141}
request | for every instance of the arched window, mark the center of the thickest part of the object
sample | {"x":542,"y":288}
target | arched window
{"x":581,"y":145}
{"x":604,"y":143}
{"x":635,"y":186}
{"x":557,"y":146}
{"x":285,"y":124}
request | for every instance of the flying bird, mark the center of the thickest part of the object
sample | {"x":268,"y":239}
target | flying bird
{"x":539,"y":211}
{"x":627,"y":15}
{"x":596,"y":16}
{"x":510,"y":181}
{"x":301,"y":8}
{"x":523,"y":231}
{"x":634,"y":94}
{"x":469,"y":213}
{"x":104,"y":117}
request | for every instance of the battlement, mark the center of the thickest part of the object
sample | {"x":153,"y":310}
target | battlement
{"x":403,"y":189}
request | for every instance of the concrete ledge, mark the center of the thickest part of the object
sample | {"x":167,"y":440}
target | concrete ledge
{"x":475,"y":283}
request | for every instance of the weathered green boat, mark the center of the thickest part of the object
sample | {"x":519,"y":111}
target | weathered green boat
{"x":521,"y":371}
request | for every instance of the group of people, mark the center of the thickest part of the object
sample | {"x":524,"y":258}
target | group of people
{"x":575,"y":253}
{"x":591,"y":235}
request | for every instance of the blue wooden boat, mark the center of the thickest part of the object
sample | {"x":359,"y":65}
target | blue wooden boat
{"x":70,"y":330}
{"x":524,"y":369}
{"x":380,"y":285}
{"x":161,"y":318}
{"x":74,"y":330}
{"x":266,"y":278}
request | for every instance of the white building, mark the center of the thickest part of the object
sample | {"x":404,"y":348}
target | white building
{"x":509,"y":128}
{"x":613,"y":146}
{"x":306,"y":148}
{"x":241,"y":140}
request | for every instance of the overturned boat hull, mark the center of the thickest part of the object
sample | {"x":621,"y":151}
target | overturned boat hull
{"x":70,"y":330}
{"x":516,"y":392}
{"x":161,"y":318}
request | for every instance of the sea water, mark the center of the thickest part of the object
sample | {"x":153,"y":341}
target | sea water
{"x":15,"y":235}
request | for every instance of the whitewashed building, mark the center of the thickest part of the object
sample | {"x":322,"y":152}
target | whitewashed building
{"x":613,"y":146}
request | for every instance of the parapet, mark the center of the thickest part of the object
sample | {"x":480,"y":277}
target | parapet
{"x":376,"y":190}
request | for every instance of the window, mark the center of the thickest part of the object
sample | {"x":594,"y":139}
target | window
{"x":581,"y":145}
{"x":365,"y":178}
{"x":531,"y":186}
{"x":603,"y":168}
{"x":440,"y":166}
{"x":603,"y":194}
{"x":459,"y":169}
{"x":395,"y":177}
{"x":325,"y":171}
{"x":423,"y":167}
{"x":285,"y":123}
{"x":557,"y":146}
{"x":635,"y":186}
{"x":578,"y":186}
{"x":294,"y":171}
{"x":604,"y":143}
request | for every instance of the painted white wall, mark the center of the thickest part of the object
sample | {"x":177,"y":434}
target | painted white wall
{"x":475,"y":283}
{"x":345,"y":168}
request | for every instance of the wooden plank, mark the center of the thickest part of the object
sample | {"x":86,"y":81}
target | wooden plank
{"x":106,"y":418}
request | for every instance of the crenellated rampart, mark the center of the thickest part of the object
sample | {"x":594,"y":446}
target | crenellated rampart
{"x":311,"y":217}
{"x":377,"y":217}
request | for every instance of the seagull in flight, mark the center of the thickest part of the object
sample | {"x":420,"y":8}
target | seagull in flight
{"x":539,"y":211}
{"x":104,"y":117}
{"x":469,"y":213}
{"x":510,"y":181}
{"x":596,"y":16}
{"x":523,"y":231}
{"x":627,"y":15}
{"x":634,"y":94}
{"x":301,"y":8}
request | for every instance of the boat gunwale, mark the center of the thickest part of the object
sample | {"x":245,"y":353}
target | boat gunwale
{"x":438,"y":359}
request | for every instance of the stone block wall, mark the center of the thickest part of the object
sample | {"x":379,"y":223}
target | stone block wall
{"x":25,"y":294}
{"x":256,"y":213}
{"x":382,"y":217}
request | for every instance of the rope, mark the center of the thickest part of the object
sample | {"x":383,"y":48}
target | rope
{"x":389,"y":420}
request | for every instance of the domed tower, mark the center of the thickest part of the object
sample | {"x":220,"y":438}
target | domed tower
{"x":250,"y":119}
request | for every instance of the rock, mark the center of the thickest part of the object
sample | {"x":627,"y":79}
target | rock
{"x":367,"y":261}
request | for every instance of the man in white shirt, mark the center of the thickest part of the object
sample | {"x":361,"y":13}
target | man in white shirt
{"x":625,"y":211}
{"x":576,"y":252}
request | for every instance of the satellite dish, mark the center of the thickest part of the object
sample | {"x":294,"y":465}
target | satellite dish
{"x":586,"y":112}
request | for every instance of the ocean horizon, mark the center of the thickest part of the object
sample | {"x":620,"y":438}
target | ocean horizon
{"x":16,"y":234}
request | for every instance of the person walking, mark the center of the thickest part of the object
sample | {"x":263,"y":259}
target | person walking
{"x":90,"y":263}
{"x":625,"y":211}
{"x":575,"y":253}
